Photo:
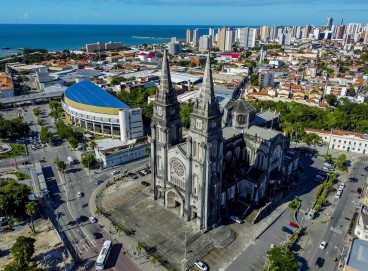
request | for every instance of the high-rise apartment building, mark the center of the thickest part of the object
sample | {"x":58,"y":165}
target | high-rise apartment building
{"x":365,"y":41}
{"x":205,"y":43}
{"x":353,"y":28}
{"x":247,"y":37}
{"x":189,"y":35}
{"x":307,"y":30}
{"x":282,"y":39}
{"x":329,"y":23}
{"x":340,"y":31}
{"x":221,"y":38}
{"x":211,"y":32}
{"x":174,"y":47}
{"x":266,"y":79}
{"x":265,"y":32}
{"x":195,"y":37}
{"x":229,"y":39}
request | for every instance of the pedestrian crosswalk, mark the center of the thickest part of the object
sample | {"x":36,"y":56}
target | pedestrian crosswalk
{"x":52,"y":149}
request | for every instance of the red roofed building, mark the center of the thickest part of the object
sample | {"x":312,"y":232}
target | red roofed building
{"x":229,"y":57}
{"x":343,"y":140}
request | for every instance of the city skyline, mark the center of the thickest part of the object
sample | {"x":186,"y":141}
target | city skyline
{"x":189,"y":12}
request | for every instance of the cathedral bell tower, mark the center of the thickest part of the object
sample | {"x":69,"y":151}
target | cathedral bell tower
{"x":166,"y":129}
{"x":206,"y":141}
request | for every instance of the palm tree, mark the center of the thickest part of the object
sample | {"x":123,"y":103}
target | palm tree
{"x":139,"y":247}
{"x":98,"y":212}
{"x":93,"y":145}
{"x":31,"y":209}
{"x":118,"y":229}
{"x":153,"y":260}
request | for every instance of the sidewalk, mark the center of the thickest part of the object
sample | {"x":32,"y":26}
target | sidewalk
{"x":129,"y":244}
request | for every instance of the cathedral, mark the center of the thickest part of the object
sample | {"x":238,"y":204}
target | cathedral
{"x":225,"y":165}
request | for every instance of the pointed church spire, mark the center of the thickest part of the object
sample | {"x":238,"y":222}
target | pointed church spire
{"x":207,"y":101}
{"x":165,"y":91}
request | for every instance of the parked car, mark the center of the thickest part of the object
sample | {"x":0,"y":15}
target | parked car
{"x":114,"y":172}
{"x":144,"y":183}
{"x":201,"y":265}
{"x":97,"y":235}
{"x":319,"y":262}
{"x":359,"y":190}
{"x":99,"y":182}
{"x":338,"y":194}
{"x":80,"y":194}
{"x":92,"y":219}
{"x":294,"y":225}
{"x":88,"y":264}
{"x":323,"y":245}
{"x":236,"y":219}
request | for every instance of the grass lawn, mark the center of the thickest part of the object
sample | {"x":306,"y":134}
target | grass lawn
{"x":21,"y":176}
{"x":79,"y":129}
{"x":17,"y":150}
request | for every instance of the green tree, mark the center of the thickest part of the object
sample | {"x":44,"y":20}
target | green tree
{"x":147,"y":150}
{"x":185,"y":112}
{"x":88,"y":160}
{"x":153,"y":260}
{"x":282,"y":258}
{"x":140,"y":246}
{"x":98,"y":212}
{"x":254,"y":80}
{"x":93,"y":145}
{"x":331,"y":99}
{"x":45,"y":135}
{"x":22,"y":251}
{"x":31,"y":209}
{"x":311,"y":138}
{"x":36,"y":111}
{"x":341,"y":163}
{"x":15,"y":195}
{"x":61,"y":166}
{"x":119,"y":229}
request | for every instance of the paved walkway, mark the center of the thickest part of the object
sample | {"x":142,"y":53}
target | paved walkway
{"x":129,"y":245}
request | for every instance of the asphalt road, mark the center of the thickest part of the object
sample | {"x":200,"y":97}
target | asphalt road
{"x":338,"y":216}
{"x":72,"y":212}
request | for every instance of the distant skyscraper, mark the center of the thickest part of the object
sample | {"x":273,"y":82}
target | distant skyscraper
{"x":282,"y":39}
{"x":265,"y":32}
{"x":329,"y":23}
{"x":247,"y":37}
{"x":298,"y":33}
{"x":211,"y":32}
{"x":221,"y":38}
{"x":205,"y":43}
{"x":174,"y":47}
{"x":307,"y":30}
{"x":189,"y":34}
{"x":353,"y":28}
{"x":195,"y":37}
{"x":229,"y":39}
{"x":366,"y":35}
{"x":340,"y":31}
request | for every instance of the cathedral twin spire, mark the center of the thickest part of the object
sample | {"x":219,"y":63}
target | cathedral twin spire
{"x":206,"y":104}
{"x":166,"y":93}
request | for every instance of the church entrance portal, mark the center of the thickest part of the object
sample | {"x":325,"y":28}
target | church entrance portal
{"x":173,"y":201}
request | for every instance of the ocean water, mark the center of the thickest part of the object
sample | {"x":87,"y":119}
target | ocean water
{"x":72,"y":37}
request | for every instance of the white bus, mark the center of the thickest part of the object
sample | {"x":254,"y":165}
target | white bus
{"x":104,"y":254}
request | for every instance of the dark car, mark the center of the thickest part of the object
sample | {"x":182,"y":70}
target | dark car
{"x":99,"y":182}
{"x":97,"y":235}
{"x":88,"y":264}
{"x":359,"y":190}
{"x":320,"y":261}
{"x":145,"y":183}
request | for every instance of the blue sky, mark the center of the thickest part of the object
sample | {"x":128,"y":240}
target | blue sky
{"x":183,"y":12}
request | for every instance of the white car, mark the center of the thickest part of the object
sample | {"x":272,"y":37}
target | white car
{"x":92,"y":219}
{"x":338,"y":194}
{"x":114,"y":172}
{"x":323,"y":245}
{"x":80,"y":194}
{"x":236,"y":219}
{"x":201,"y":265}
{"x":342,"y":185}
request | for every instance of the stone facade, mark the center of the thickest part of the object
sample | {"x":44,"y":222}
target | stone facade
{"x":224,"y":165}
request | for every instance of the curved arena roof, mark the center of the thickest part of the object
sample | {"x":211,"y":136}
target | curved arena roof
{"x":91,"y":98}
